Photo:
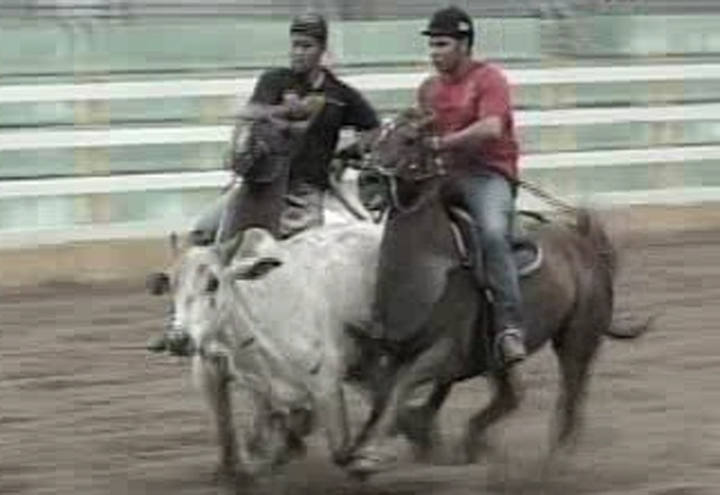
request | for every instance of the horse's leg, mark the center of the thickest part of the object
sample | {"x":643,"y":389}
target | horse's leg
{"x":506,"y":398}
{"x":575,"y":349}
{"x":418,"y":422}
{"x":381,"y":446}
{"x":378,"y":400}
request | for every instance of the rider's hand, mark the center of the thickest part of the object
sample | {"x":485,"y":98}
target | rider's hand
{"x":314,"y":103}
{"x":301,"y":108}
{"x":435,"y":143}
{"x":350,"y":153}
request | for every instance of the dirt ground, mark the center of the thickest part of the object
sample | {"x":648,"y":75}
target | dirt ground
{"x":85,"y":410}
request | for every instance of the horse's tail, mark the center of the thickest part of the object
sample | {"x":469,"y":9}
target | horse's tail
{"x":630,"y":327}
{"x":591,"y":227}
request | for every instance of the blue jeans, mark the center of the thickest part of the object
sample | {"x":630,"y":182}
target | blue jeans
{"x":488,"y":197}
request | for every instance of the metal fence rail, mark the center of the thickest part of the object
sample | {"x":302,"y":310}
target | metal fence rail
{"x":96,"y":195}
{"x":139,"y":136}
{"x":367,"y":82}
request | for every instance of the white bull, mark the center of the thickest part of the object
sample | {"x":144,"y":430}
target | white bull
{"x":274,"y":317}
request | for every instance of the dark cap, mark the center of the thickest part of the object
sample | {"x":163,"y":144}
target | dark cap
{"x":450,"y":21}
{"x":310,"y":24}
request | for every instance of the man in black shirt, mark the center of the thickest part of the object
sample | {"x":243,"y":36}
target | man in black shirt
{"x":304,"y":92}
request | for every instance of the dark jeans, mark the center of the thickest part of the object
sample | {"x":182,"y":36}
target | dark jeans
{"x":489,"y":199}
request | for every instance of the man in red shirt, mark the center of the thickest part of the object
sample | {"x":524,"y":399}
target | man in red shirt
{"x":471,"y":103}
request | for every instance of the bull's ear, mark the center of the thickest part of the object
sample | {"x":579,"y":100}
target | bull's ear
{"x":258,"y":254}
{"x":253,"y":268}
{"x":158,"y":283}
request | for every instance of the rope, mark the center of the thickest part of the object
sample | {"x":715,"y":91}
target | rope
{"x":547,"y":197}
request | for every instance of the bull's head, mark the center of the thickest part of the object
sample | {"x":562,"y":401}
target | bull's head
{"x":210,"y":320}
{"x":202,"y":279}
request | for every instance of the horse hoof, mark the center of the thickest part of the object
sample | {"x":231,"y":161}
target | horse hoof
{"x":229,"y":476}
{"x":473,"y":451}
{"x":358,"y":476}
{"x":361,"y":469}
{"x":370,"y":461}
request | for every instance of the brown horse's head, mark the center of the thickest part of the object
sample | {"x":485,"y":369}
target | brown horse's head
{"x":400,"y":150}
{"x":261,"y":146}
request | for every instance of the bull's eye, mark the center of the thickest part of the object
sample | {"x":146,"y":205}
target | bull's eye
{"x":212,"y":284}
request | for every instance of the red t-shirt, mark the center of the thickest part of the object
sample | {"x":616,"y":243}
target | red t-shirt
{"x":481,"y":91}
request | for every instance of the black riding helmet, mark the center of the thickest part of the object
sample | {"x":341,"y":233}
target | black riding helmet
{"x":310,"y":24}
{"x":451,"y":21}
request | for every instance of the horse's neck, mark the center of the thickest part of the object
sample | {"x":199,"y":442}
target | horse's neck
{"x":416,"y":197}
{"x":420,"y":227}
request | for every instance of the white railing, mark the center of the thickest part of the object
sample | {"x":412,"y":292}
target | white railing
{"x":73,"y":186}
{"x":240,"y":88}
{"x":366,"y":82}
{"x":88,"y":138}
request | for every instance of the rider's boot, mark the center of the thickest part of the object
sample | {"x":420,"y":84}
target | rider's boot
{"x":508,"y":337}
{"x":510,"y":345}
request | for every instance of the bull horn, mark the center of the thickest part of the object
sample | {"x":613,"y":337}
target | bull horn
{"x":226,"y":250}
{"x":358,"y":211}
{"x":258,"y":243}
{"x":174,"y":245}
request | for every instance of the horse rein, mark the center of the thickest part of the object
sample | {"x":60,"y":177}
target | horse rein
{"x":431,"y":162}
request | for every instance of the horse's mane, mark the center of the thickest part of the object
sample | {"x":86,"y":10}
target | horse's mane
{"x":413,"y":116}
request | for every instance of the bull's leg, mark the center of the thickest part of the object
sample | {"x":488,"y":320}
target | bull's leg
{"x":215,"y":385}
{"x":266,"y":439}
{"x":332,"y":413}
{"x":507,"y":397}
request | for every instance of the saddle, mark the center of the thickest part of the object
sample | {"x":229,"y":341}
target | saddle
{"x":528,"y":254}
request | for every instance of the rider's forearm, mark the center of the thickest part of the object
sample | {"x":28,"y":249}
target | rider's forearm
{"x":473,"y":135}
{"x":257,"y":111}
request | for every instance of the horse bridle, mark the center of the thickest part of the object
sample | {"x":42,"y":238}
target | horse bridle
{"x":433,"y":166}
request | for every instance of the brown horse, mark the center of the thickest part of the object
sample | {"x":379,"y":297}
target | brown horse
{"x":260,"y":154}
{"x":434,"y":320}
